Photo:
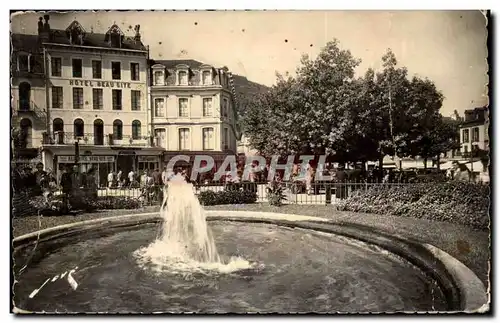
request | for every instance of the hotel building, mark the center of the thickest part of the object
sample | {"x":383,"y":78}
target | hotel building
{"x":193,"y":109}
{"x":96,"y":94}
{"x":474,"y":131}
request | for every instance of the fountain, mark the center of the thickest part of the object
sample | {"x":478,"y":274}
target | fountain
{"x":191,"y":260}
{"x":185,"y":242}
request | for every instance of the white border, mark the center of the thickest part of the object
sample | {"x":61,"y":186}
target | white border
{"x":191,"y":4}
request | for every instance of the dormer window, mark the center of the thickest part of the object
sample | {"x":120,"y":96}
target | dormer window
{"x":75,"y":33}
{"x":207,"y":78}
{"x":159,"y":78}
{"x":114,"y":36}
{"x":116,"y":40}
{"x":183,"y":78}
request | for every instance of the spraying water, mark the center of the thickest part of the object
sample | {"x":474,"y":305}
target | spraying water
{"x":185,"y":241}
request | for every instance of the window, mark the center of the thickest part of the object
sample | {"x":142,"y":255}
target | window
{"x":226,"y":138}
{"x":136,"y":129}
{"x":159,"y":78}
{"x":183,"y":107}
{"x":183,"y":139}
{"x":24,"y":92}
{"x":466,"y":149}
{"x":57,"y":125}
{"x":116,"y":40}
{"x":57,"y":97}
{"x":78,"y":128}
{"x":159,"y":108}
{"x":207,"y":107}
{"x":161,"y":135}
{"x":97,"y":101}
{"x":475,"y":134}
{"x":116,"y":70}
{"x":465,"y":135}
{"x":117,"y":130}
{"x":208,"y":135}
{"x":207,"y":78}
{"x":183,"y":78}
{"x":96,"y":69}
{"x":134,"y":71}
{"x":23,"y":63}
{"x":27,"y":129}
{"x":56,"y":66}
{"x":77,"y":98}
{"x":225,"y":107}
{"x":117,"y":99}
{"x":77,"y":67}
{"x":136,"y":100}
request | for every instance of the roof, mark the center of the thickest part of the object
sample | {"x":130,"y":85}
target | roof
{"x":25,"y":42}
{"x":171,"y":63}
{"x":96,"y":40}
{"x":31,"y":42}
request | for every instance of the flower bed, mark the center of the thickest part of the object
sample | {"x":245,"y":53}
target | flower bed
{"x":456,"y":202}
{"x":53,"y":206}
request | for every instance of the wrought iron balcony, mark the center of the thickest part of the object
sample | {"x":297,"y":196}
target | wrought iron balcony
{"x":91,"y":139}
{"x":23,"y":107}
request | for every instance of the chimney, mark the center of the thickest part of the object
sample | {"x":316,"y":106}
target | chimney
{"x":137,"y":36}
{"x":44,"y":28}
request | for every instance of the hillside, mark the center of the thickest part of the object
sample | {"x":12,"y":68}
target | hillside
{"x":245,"y":90}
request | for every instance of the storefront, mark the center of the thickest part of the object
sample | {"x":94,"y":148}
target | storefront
{"x":148,"y":163}
{"x":102,"y":165}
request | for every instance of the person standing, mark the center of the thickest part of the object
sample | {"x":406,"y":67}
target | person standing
{"x":119,"y":178}
{"x":111,"y":179}
{"x":66,"y":186}
{"x":157,"y":183}
{"x":131,"y":179}
{"x":341,"y":179}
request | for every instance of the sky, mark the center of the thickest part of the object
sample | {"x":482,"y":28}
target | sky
{"x":448,"y":47}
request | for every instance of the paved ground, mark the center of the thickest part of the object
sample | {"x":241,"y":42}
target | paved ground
{"x":470,"y":246}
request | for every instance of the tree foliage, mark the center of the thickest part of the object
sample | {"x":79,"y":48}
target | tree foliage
{"x":326,"y":109}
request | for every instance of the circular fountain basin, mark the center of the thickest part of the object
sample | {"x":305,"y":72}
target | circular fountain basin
{"x":295,"y":270}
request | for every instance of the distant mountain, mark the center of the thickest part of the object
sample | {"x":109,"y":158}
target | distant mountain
{"x":246,"y":89}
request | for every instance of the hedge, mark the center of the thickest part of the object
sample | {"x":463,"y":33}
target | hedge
{"x":227,"y":197}
{"x":456,"y":202}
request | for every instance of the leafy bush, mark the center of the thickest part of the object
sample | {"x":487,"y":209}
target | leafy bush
{"x":117,"y":202}
{"x":456,"y":202}
{"x":275,"y":193}
{"x":227,"y":197}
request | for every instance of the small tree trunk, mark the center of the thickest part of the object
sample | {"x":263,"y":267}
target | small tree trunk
{"x":425,"y":163}
{"x":438,"y":158}
{"x":381,"y":165}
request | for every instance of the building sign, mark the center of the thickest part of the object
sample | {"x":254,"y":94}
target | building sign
{"x":120,"y":85}
{"x":87,"y":159}
{"x":148,"y":159}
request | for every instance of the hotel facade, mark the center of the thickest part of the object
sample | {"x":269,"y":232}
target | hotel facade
{"x":125,"y":111}
{"x":193,"y":109}
{"x":96,"y":95}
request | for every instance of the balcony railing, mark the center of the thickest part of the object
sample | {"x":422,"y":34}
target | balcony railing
{"x":24,"y":106}
{"x":69,"y":138}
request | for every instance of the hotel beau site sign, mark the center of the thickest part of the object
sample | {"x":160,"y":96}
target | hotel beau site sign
{"x":119,"y":85}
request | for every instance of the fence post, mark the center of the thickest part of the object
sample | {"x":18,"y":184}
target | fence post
{"x":328,"y":194}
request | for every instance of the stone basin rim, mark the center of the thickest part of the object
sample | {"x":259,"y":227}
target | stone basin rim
{"x":469,"y":294}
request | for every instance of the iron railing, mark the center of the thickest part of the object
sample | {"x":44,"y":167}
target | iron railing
{"x":25,"y":106}
{"x":69,"y":138}
{"x":294,"y":193}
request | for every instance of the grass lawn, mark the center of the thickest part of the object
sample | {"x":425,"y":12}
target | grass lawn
{"x":470,"y":246}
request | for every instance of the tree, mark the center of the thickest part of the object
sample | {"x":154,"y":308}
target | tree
{"x":309,"y":113}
